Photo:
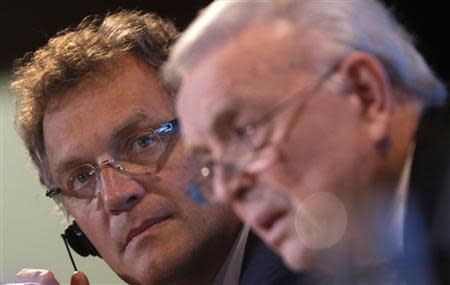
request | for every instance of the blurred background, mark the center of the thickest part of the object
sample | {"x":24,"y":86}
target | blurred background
{"x":30,"y":230}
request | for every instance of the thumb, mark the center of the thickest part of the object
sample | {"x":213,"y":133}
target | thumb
{"x":79,"y":278}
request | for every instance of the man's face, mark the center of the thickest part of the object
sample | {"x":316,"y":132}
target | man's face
{"x":299,"y":152}
{"x":145,"y":227}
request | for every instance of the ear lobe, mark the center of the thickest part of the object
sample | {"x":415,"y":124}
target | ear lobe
{"x":370,"y":91}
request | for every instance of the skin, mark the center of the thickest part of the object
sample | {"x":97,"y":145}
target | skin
{"x":80,"y":128}
{"x":41,"y":276}
{"x":349,"y":140}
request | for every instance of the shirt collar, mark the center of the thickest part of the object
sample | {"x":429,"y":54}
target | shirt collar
{"x":400,"y":198}
{"x":230,"y":271}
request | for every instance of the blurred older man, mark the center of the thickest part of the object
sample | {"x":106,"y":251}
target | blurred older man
{"x":330,"y":102}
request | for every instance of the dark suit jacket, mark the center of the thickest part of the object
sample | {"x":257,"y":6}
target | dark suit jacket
{"x":427,"y":228}
{"x":261,"y":266}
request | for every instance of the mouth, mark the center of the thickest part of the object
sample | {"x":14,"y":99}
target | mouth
{"x":136,"y":232}
{"x":267,"y":220}
{"x":272,"y":226}
{"x":266,"y":211}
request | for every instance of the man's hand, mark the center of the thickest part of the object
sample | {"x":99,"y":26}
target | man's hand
{"x":79,"y":278}
{"x":45,"y":277}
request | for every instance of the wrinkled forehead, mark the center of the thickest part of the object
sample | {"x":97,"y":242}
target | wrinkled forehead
{"x":201,"y":98}
{"x":250,"y":70}
{"x":101,"y":109}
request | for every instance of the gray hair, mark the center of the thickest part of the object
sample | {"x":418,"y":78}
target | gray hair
{"x":345,"y":26}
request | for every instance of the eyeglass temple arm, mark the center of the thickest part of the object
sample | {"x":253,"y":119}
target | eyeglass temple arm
{"x":168,"y":127}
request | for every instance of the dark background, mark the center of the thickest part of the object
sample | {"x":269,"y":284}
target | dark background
{"x":27,"y":25}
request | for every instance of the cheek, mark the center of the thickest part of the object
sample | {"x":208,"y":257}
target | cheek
{"x":317,"y":150}
{"x":279,"y":176}
{"x":175,"y":180}
{"x":177,"y":176}
{"x":80,"y":209}
{"x":92,"y":223}
{"x":178,"y":168}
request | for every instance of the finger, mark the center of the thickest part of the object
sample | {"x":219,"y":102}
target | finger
{"x":27,"y":283}
{"x":79,"y":278}
{"x":41,"y":276}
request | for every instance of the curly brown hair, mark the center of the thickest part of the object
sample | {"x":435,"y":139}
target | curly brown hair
{"x":75,"y":54}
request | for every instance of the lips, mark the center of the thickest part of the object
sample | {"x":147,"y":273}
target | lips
{"x":278,"y":230}
{"x":271,"y":224}
{"x":267,"y":219}
{"x":134,"y":233}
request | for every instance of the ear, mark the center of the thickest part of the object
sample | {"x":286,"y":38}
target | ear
{"x":370,"y":92}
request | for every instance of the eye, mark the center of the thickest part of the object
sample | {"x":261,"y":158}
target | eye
{"x":143,"y":148}
{"x":145,"y":142}
{"x":242,"y":132}
{"x":81,"y":177}
{"x":253,"y":136}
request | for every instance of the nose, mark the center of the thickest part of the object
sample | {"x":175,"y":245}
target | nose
{"x":119,"y":192}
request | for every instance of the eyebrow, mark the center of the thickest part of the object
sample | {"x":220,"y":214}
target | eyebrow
{"x":64,"y":166}
{"x":198,"y":149}
{"x":129,"y":125}
{"x":118,"y":132}
{"x":221,"y":122}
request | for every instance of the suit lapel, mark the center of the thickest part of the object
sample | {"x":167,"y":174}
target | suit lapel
{"x":262,"y":266}
{"x":427,"y":220}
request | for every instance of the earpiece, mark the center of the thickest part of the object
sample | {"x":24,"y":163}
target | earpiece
{"x":78,"y":241}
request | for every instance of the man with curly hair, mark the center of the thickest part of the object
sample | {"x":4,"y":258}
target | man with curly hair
{"x":100,"y":126}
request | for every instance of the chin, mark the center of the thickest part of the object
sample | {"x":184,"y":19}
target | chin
{"x":130,"y":280}
{"x":148,"y":272}
{"x":295,"y":255}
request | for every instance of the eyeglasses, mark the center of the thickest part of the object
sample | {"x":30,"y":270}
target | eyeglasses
{"x":142,"y":156}
{"x":244,"y":144}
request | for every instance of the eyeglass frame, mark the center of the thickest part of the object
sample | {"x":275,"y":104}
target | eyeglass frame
{"x":170,"y":127}
{"x":243,"y":132}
